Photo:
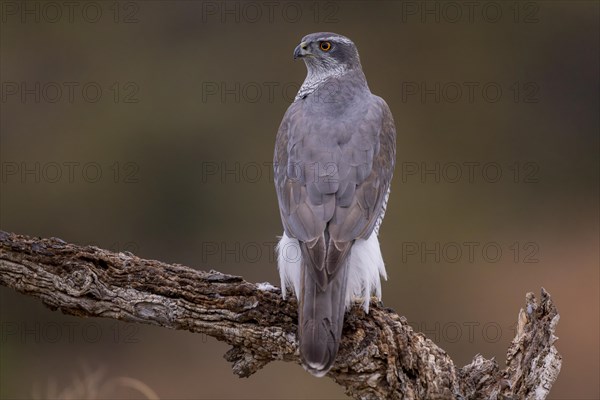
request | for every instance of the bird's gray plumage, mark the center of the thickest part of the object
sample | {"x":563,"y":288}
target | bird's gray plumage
{"x":334,"y":159}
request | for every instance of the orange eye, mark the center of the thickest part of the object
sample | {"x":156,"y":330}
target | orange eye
{"x":325,"y":46}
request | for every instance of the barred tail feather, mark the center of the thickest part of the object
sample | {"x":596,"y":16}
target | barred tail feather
{"x":321,"y":320}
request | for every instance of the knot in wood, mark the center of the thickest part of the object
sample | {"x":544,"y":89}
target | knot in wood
{"x":77,"y":281}
{"x":153,"y":311}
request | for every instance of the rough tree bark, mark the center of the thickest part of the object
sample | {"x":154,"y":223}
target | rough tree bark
{"x":380,"y":355}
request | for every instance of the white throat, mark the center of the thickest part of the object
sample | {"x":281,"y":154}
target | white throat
{"x":316,"y":75}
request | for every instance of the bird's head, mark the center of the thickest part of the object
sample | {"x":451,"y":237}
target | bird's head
{"x":326,"y":51}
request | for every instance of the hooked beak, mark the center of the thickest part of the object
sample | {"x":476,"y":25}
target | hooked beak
{"x":301,"y":50}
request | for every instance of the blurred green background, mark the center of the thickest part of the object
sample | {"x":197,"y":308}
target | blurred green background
{"x":149,"y":126}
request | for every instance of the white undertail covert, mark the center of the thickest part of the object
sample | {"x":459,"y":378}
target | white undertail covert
{"x":366,"y":267}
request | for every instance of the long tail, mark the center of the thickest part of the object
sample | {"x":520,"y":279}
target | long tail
{"x":321,"y":318}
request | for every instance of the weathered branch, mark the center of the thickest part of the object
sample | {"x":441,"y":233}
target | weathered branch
{"x":380,"y":355}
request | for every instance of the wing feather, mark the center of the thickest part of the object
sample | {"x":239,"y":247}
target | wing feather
{"x":332,"y":178}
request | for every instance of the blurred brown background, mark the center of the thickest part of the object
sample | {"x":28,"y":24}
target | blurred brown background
{"x":149,"y":126}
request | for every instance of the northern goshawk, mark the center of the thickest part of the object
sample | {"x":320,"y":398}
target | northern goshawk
{"x":334,"y":159}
